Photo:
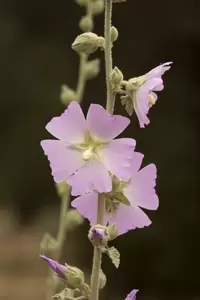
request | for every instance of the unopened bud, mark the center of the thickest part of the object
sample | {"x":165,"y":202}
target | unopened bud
{"x":75,"y":277}
{"x":87,"y":42}
{"x":114,"y":34}
{"x":116,"y":78}
{"x":102,"y":279}
{"x":112,"y":231}
{"x":92,"y":68}
{"x":73,"y":219}
{"x":86,"y":23}
{"x":59,"y":269}
{"x":67,"y":95}
{"x":98,"y":235}
{"x":62,"y":188}
{"x":97,"y":7}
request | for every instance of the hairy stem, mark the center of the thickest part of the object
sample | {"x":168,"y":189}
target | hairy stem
{"x":108,"y":54}
{"x":97,"y":254}
{"x":81,"y":77}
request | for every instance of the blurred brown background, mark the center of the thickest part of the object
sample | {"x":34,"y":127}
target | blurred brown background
{"x":35,"y":59}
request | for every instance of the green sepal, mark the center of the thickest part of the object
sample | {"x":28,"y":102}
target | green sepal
{"x":66,"y":294}
{"x":114,"y":255}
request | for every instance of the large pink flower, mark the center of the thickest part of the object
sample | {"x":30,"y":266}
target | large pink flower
{"x":126,"y":199}
{"x":85,"y":151}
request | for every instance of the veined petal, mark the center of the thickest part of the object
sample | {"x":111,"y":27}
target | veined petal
{"x":70,"y":126}
{"x":103,"y":125}
{"x":117,"y":157}
{"x":63,"y":161}
{"x":87,"y":207}
{"x":136,"y":162}
{"x":159,"y":70}
{"x":92,"y":176}
{"x":140,"y":191}
{"x":129,"y":217}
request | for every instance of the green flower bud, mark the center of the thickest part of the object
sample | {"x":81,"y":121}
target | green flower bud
{"x":112,"y":231}
{"x":102,"y":280}
{"x":97,"y":7}
{"x":86,"y":24}
{"x":116,"y":78}
{"x":67,"y":95}
{"x":87,"y":42}
{"x":92,"y":68}
{"x":73,"y":219}
{"x":75,"y":277}
{"x":114,"y":34}
{"x":98,"y":235}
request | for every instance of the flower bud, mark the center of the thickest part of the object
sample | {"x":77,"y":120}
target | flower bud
{"x":102,"y":279}
{"x":75,"y":277}
{"x":114,"y":34}
{"x":97,"y":7}
{"x":67,"y":95}
{"x":98,"y":235}
{"x":86,"y":24}
{"x":87,"y":43}
{"x":116,"y":78}
{"x":62,"y":188}
{"x":92,"y":68}
{"x":59,"y":269}
{"x":73,"y":219}
{"x":112,"y":231}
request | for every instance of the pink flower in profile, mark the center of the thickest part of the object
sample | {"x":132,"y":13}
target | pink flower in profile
{"x":123,"y":204}
{"x":132,"y":295}
{"x":141,"y":92}
{"x":85,"y":150}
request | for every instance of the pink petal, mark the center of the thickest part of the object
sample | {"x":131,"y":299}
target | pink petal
{"x":132,"y":295}
{"x":63,"y":161}
{"x":117,"y":157}
{"x":92,"y":176}
{"x":129,"y":217}
{"x":136,"y":162}
{"x":70,"y":126}
{"x":140,"y":191}
{"x":159,"y":70}
{"x":87,"y":207}
{"x":104,"y":126}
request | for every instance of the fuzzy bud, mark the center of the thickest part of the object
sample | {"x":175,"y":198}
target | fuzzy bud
{"x":73,"y":219}
{"x":97,"y":7}
{"x":102,"y":280}
{"x":98,"y":235}
{"x":112,"y":231}
{"x":59,"y":269}
{"x":88,"y":43}
{"x":86,"y":24}
{"x":92,"y":68}
{"x":67,"y":95}
{"x":114,"y":34}
{"x":75,"y":277}
{"x":62,"y":188}
{"x":116,"y":78}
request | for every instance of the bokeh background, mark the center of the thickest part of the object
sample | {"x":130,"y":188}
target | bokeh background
{"x":35,"y":59}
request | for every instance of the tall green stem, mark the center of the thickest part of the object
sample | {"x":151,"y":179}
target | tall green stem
{"x":81,"y":77}
{"x":108,"y":54}
{"x":97,"y":254}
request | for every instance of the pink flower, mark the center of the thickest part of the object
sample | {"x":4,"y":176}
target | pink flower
{"x":141,"y":91}
{"x":85,"y":151}
{"x":132,"y":295}
{"x":123,"y":204}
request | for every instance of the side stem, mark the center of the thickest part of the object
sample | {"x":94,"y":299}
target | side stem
{"x":97,"y":254}
{"x":108,"y":54}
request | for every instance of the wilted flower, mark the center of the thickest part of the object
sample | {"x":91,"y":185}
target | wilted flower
{"x":86,"y":152}
{"x":140,"y":92}
{"x":132,"y":295}
{"x":123,"y":203}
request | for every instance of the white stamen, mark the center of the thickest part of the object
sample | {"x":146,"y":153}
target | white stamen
{"x":87,"y":154}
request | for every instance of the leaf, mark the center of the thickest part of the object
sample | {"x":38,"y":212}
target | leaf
{"x":114,"y":255}
{"x":66,"y":294}
{"x":48,"y":243}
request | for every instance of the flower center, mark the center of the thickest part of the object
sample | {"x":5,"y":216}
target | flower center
{"x":88,"y":153}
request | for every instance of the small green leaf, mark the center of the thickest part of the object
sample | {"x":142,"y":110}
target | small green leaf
{"x":48,"y":243}
{"x":114,"y":255}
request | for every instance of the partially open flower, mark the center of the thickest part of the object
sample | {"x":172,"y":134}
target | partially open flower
{"x":59,"y":269}
{"x":140,"y":92}
{"x":86,"y":153}
{"x":98,"y":235}
{"x":132,"y":295}
{"x":123,"y":204}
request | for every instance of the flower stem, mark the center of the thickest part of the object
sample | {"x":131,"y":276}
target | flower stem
{"x":108,"y":54}
{"x":81,"y":77}
{"x":52,"y":280}
{"x":97,"y":254}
